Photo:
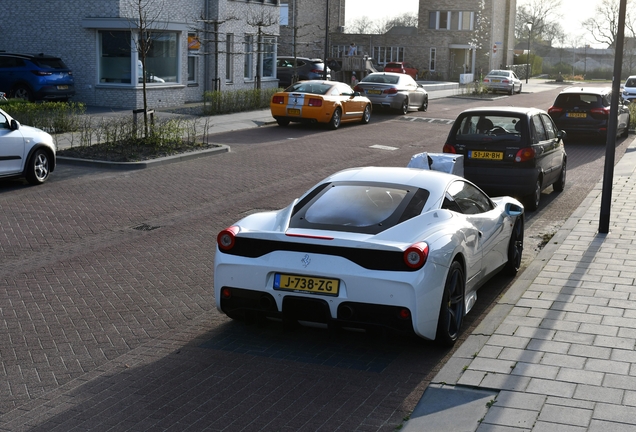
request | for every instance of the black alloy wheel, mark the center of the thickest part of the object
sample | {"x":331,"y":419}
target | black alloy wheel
{"x":451,"y":314}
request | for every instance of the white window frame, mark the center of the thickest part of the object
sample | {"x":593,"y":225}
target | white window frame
{"x":471,"y":20}
{"x":266,"y":43}
{"x":248,"y":57}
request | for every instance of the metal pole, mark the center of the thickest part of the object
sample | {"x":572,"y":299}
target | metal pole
{"x":529,"y":24}
{"x":324,"y":72}
{"x":610,"y":144}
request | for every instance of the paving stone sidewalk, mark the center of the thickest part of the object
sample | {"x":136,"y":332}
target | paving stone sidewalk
{"x":557,"y":353}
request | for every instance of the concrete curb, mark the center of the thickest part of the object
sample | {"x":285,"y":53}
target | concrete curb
{"x":221,"y":148}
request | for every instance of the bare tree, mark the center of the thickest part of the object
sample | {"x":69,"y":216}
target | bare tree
{"x":145,"y":21}
{"x":406,"y":20}
{"x":603,"y":26}
{"x":261,"y":19}
{"x":543,"y":18}
{"x":361,"y":25}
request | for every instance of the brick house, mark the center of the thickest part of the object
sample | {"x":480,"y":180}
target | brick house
{"x":303,"y":23}
{"x":197,"y":45}
{"x":454,"y":40}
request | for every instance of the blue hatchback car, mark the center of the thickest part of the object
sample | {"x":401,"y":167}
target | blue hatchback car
{"x":35,"y":77}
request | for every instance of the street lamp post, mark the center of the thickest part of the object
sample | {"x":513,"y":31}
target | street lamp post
{"x":529,"y":24}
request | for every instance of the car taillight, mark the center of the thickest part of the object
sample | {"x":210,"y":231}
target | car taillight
{"x":486,"y":80}
{"x":227,"y":237}
{"x":448,"y":148}
{"x":555,"y":110}
{"x":391,"y":90}
{"x":315,"y":102}
{"x":317,"y":71}
{"x":505,"y":81}
{"x":415,"y":256}
{"x":358,"y":89}
{"x":603,"y":112}
{"x":525,"y":154}
{"x":278,"y":99}
{"x":41,"y":73}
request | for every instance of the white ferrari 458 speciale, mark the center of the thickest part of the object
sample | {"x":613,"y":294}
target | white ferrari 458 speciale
{"x":400,"y":248}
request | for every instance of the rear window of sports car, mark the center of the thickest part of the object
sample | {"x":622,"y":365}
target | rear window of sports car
{"x":307,"y":87}
{"x":355,"y":207}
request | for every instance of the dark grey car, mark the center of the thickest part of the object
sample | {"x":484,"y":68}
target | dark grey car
{"x":304,"y":68}
{"x":510,"y":151}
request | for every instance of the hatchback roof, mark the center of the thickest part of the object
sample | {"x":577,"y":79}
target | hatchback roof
{"x":591,"y":90}
{"x":504,"y":110}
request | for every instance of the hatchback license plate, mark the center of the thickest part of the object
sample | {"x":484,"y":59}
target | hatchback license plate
{"x":306,"y":283}
{"x":576,"y":115}
{"x":62,"y":87}
{"x":490,"y":155}
{"x":293,"y":111}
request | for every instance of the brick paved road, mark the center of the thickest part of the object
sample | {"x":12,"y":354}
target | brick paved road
{"x":107,"y":318}
{"x":108,"y":315}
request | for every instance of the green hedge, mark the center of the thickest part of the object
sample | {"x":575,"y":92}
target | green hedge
{"x":223,"y":102}
{"x":53,"y":117}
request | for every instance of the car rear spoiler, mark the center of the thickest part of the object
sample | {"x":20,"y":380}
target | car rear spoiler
{"x":444,"y":162}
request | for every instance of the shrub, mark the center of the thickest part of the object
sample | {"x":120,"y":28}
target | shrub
{"x":53,"y":117}
{"x":223,"y":102}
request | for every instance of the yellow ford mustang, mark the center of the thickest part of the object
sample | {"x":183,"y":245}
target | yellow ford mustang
{"x":329,"y":102}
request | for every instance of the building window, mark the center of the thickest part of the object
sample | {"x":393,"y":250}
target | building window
{"x":431,"y":63}
{"x":115,"y":57}
{"x":269,"y":55}
{"x":162,"y":60}
{"x":439,"y":20}
{"x":248,"y":62}
{"x":384,"y":55}
{"x":193,"y":57}
{"x":229,"y":57}
{"x":466,"y":20}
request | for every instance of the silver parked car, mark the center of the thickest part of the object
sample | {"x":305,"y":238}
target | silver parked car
{"x":25,"y":151}
{"x":393,"y":90}
{"x":503,"y":81}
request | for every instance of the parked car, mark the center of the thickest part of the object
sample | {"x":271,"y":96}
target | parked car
{"x":584,"y":112}
{"x":510,"y":150}
{"x":503,"y":81}
{"x":401,"y":67}
{"x":35,"y":77}
{"x":393,"y":90}
{"x":629,"y":89}
{"x":328,"y":102}
{"x":305,"y":68}
{"x":25,"y":151}
{"x":385,"y":247}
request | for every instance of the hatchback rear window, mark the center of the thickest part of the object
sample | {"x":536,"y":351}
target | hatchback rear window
{"x":580,"y":100}
{"x":50,"y":63}
{"x":491,"y":127}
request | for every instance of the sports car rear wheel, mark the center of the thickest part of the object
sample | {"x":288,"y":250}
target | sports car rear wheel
{"x":515,"y":249}
{"x":335,"y":119}
{"x":366,"y":115}
{"x":282,"y":122}
{"x":451,"y":313}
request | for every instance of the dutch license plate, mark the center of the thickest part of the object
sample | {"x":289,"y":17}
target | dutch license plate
{"x":310,"y":284}
{"x":576,"y":115}
{"x":374,"y":92}
{"x":293,"y":111}
{"x":485,"y":155}
{"x":495,"y":80}
{"x":62,"y":87}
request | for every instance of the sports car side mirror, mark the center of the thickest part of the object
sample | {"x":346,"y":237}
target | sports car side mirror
{"x":513,"y":210}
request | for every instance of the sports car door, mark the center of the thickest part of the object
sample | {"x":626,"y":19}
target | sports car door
{"x":350,"y":105}
{"x":487,"y":220}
